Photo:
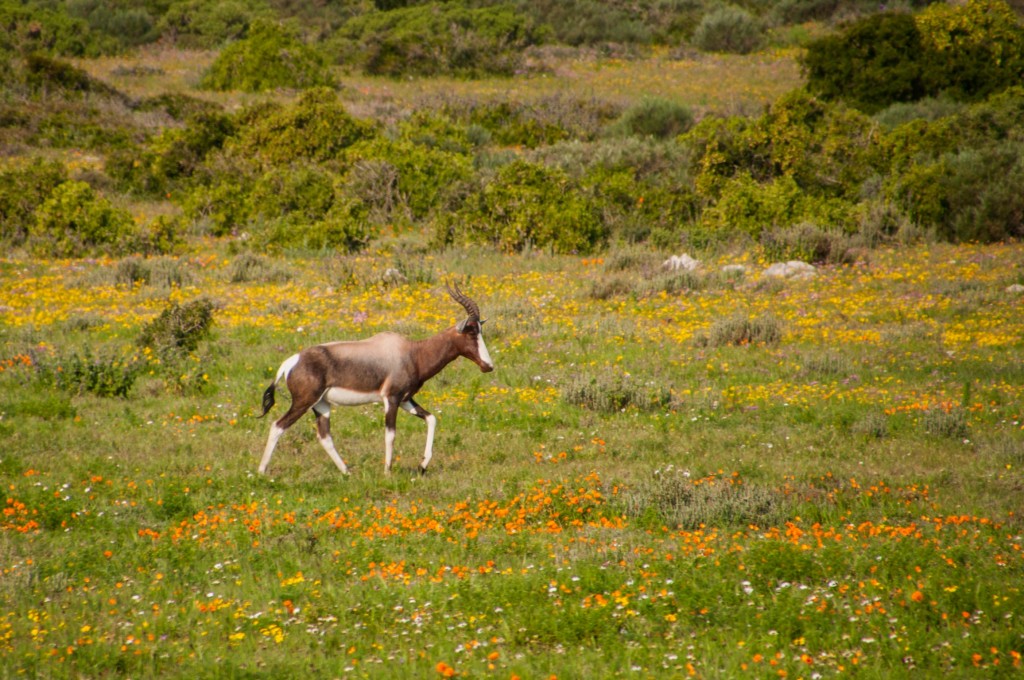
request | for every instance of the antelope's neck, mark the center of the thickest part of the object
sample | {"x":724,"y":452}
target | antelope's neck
{"x":434,"y":353}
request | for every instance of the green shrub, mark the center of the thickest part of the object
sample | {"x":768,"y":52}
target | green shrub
{"x":741,"y":330}
{"x":247,"y":267}
{"x":671,"y":498}
{"x":971,"y":50}
{"x":728,"y":28}
{"x":75,"y":221}
{"x":928,"y":109}
{"x":437,"y":38}
{"x":749,"y":207}
{"x":173,"y":156}
{"x":31,"y":29}
{"x":104,"y":374}
{"x":423,"y":175}
{"x":968,"y":195}
{"x":23,"y":188}
{"x":178,"y":330}
{"x":317,"y":127}
{"x":526,"y":205}
{"x":654,"y":117}
{"x":872,"y":63}
{"x":220,"y":208}
{"x":178,"y":106}
{"x":130,"y":26}
{"x":807,"y":242}
{"x":615,"y":391}
{"x":539,"y":122}
{"x":206,"y":25}
{"x":967,"y":51}
{"x":632,"y":208}
{"x":804,"y":160}
{"x":269,"y":57}
{"x":802,"y":11}
{"x":345,"y":228}
{"x":304,"y":191}
{"x":951,"y":423}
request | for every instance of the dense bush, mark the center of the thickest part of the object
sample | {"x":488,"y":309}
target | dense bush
{"x":178,"y":106}
{"x":104,"y":374}
{"x":437,"y":38}
{"x":48,"y":29}
{"x":968,"y":195}
{"x":972,"y":50}
{"x":802,"y":161}
{"x":960,"y":176}
{"x":269,"y":57}
{"x":741,"y":330}
{"x":807,"y":242}
{"x":600,"y":22}
{"x":728,"y":28}
{"x":75,"y":221}
{"x":965,"y":51}
{"x":206,"y":25}
{"x":526,"y":206}
{"x":872,"y":63}
{"x":174,"y":155}
{"x":46,"y":73}
{"x":344,"y":228}
{"x":130,"y":26}
{"x":178,"y":330}
{"x":316,"y":128}
{"x":423,"y":175}
{"x":654,"y":117}
{"x":302,"y":190}
{"x":613,"y":391}
{"x":634,"y":208}
{"x":23,"y":188}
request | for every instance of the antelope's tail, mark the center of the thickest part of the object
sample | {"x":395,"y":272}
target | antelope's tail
{"x":268,"y":399}
{"x":268,"y":394}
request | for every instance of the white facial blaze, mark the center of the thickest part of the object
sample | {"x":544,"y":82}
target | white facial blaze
{"x":481,"y":349}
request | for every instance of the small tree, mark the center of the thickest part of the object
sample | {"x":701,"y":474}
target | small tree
{"x":873,"y":63}
{"x":728,"y":29}
{"x":269,"y":57}
{"x":75,"y":221}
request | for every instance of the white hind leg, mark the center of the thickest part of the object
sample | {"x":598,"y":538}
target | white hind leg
{"x":323,"y":434}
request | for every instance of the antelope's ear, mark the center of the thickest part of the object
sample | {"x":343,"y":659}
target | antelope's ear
{"x":461,"y":326}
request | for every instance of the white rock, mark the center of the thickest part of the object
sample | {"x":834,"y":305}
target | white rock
{"x":794,"y":269}
{"x":1015,"y":288}
{"x":684,"y":262}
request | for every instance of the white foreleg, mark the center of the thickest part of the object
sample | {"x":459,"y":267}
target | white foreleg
{"x":390,"y":418}
{"x":420,"y":412}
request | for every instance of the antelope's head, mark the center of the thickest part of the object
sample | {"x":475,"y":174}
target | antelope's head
{"x":469,"y":332}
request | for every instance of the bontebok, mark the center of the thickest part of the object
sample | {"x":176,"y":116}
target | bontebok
{"x":386,"y":368}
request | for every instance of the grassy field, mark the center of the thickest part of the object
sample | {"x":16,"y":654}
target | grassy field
{"x":668,"y":475}
{"x":724,"y":83}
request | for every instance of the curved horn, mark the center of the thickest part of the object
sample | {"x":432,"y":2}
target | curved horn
{"x":471,"y":309}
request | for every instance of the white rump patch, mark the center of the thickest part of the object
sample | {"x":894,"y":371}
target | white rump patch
{"x":286,"y":367}
{"x":339,"y":396}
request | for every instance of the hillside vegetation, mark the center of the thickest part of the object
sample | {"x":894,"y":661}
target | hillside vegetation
{"x":320,"y":165}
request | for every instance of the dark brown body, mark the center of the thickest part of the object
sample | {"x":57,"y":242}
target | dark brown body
{"x":386,"y":368}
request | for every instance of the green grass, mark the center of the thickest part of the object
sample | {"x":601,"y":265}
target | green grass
{"x":841,"y":500}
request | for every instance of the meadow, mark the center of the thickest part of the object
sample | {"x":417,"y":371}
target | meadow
{"x":670,"y":474}
{"x":641,"y":488}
